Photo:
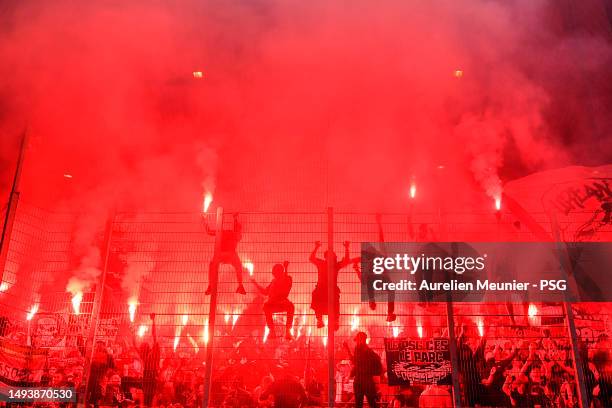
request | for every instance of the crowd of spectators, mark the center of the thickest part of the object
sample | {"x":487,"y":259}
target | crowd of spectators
{"x":517,"y":367}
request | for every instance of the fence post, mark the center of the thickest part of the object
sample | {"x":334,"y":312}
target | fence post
{"x":569,"y":314}
{"x":97,"y":305}
{"x":11,"y":208}
{"x":212,"y":311}
{"x":331,"y":310}
{"x":453,"y":353}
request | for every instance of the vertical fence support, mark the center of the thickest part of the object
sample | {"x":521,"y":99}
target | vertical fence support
{"x":11,"y":208}
{"x":452,"y":344}
{"x":212,"y":311}
{"x":571,"y":326}
{"x":97,"y":305}
{"x":332,"y":313}
{"x":7,"y":230}
{"x":569,"y":313}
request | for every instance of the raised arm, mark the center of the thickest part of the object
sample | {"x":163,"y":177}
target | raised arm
{"x":261,"y":289}
{"x":480,"y":349}
{"x":357,"y":266}
{"x":134,"y":341}
{"x":313,"y":254}
{"x":153,"y":328}
{"x":347,"y":256}
{"x":237,"y":226}
{"x":381,"y":234}
{"x":508,"y":360}
{"x":209,"y":230}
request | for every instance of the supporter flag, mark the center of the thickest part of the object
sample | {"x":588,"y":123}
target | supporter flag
{"x":21,"y":365}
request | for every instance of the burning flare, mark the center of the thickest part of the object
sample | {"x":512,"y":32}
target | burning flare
{"x":266,"y":333}
{"x":498,"y":202}
{"x":177,"y":337}
{"x":532,"y":311}
{"x":185,"y":319}
{"x":76,"y":302}
{"x":412,"y":190}
{"x":208,"y":198}
{"x":355,"y":321}
{"x":235,"y":317}
{"x":196,"y":348}
{"x":480,"y":325}
{"x":250,"y":267}
{"x":142,"y":330}
{"x":420,"y":331}
{"x":32,"y":312}
{"x":395,"y":331}
{"x":205,"y":336}
{"x":132,"y":309}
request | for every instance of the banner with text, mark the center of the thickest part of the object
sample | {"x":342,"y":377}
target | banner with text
{"x":424,"y":361}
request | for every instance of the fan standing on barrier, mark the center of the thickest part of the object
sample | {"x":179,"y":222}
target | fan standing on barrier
{"x":371,"y":277}
{"x":278,"y":292}
{"x":319,"y":294}
{"x":227,"y":254}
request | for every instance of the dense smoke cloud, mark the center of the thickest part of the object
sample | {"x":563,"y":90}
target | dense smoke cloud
{"x":300,"y":104}
{"x":316,"y":91}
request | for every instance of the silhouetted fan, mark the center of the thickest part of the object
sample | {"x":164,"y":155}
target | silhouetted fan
{"x":444,"y":250}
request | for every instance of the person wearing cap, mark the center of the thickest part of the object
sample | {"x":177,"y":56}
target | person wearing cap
{"x":366,"y":366}
{"x":278,"y":302}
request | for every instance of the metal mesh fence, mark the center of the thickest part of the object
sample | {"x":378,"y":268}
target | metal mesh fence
{"x":155,"y":268}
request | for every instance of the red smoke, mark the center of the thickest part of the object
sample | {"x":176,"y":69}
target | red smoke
{"x":301,"y":105}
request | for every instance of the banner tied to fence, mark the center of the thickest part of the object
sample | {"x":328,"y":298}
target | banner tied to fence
{"x":417,"y":360}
